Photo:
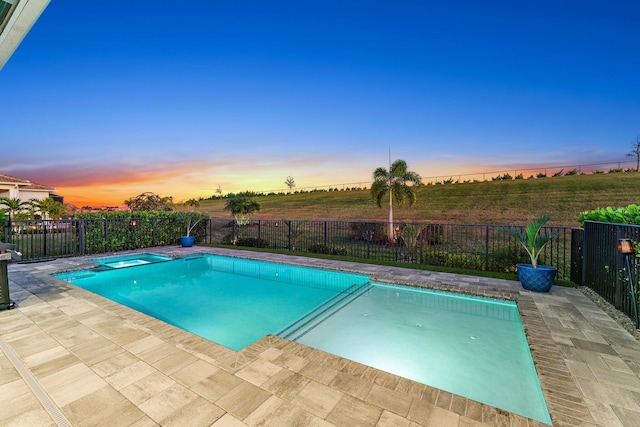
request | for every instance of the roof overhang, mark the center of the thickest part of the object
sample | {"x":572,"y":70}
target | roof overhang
{"x":16,"y":19}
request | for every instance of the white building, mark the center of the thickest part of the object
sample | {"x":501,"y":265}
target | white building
{"x":16,"y":188}
{"x":16,"y":19}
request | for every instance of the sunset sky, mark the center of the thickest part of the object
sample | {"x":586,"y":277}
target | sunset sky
{"x":105,"y":102}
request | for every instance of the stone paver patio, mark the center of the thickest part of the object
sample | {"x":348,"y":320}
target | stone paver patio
{"x":70,"y":357}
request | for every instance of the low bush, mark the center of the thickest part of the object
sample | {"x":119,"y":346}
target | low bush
{"x":432,"y":234}
{"x":367,"y":230}
{"x":319,"y":248}
{"x":447,"y":259}
{"x":251,"y":242}
{"x":505,"y":259}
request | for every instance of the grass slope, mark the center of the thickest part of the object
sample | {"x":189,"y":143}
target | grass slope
{"x":490,"y":202}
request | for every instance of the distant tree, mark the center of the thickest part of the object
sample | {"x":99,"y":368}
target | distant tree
{"x":397,"y":182}
{"x":241,"y":206}
{"x":219,"y":191}
{"x":192,"y":203}
{"x":635,"y":152}
{"x":49,"y":208}
{"x":290,"y":183}
{"x":149,"y":202}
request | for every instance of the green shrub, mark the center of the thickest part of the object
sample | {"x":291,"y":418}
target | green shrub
{"x":319,"y":248}
{"x":362,"y":230}
{"x":559,"y":173}
{"x":447,"y":259}
{"x":505,"y":177}
{"x":505,"y":259}
{"x":571,"y":172}
{"x":250,"y":242}
{"x":541,"y":175}
{"x":624,"y":215}
{"x":615,"y":170}
{"x":432,"y":234}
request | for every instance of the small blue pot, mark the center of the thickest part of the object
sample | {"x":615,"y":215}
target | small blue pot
{"x":536,"y":279}
{"x":187,"y":241}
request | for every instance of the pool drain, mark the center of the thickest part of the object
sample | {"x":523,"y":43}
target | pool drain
{"x":52,"y":409}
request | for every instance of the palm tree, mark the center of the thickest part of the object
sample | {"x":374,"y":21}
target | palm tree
{"x":396,"y":183}
{"x":49,"y":208}
{"x":192,"y":203}
{"x":14,"y":205}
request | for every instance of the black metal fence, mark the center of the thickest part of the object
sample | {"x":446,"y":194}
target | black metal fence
{"x":38,"y":239}
{"x":468,"y":246}
{"x":605,"y":269}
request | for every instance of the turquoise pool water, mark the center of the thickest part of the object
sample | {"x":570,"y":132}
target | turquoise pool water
{"x":474,"y":347}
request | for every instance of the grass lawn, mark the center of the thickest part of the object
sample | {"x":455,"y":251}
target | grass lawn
{"x":488,"y":202}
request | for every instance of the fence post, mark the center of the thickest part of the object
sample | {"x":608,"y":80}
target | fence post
{"x":577,"y":256}
{"x":106,"y":234}
{"x":8,"y":231}
{"x":619,"y":284}
{"x":82,"y":237}
{"x":486,"y":248}
{"x":44,"y":238}
{"x":369,"y":239}
{"x":259,"y":230}
{"x":324,"y":240}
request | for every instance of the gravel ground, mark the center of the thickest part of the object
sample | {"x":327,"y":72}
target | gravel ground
{"x":624,"y":320}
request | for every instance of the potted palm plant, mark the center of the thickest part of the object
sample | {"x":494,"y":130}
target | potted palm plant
{"x":534,"y":277}
{"x":189,"y":220}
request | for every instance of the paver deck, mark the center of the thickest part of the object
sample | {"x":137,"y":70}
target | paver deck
{"x":70,"y":357}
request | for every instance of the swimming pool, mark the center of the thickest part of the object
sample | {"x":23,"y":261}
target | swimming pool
{"x":474,"y":347}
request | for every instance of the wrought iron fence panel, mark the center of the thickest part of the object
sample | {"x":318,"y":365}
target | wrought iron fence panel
{"x":604,"y":269}
{"x":469,"y":246}
{"x":42,"y":238}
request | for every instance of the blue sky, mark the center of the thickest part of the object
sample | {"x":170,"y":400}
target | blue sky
{"x":104,"y":103}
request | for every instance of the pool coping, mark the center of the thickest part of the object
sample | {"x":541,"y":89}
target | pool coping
{"x":394,"y":398}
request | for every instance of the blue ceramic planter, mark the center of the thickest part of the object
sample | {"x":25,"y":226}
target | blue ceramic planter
{"x":536,"y":279}
{"x":187,"y":241}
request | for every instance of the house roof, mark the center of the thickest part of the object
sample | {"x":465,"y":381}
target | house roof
{"x":16,"y":19}
{"x":11,"y":180}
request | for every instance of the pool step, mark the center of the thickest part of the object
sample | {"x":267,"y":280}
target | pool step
{"x":300,"y":327}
